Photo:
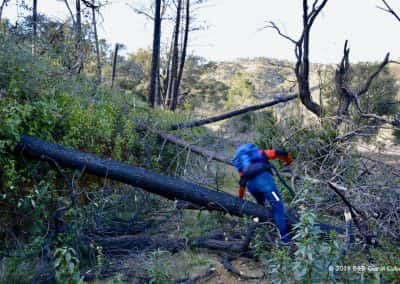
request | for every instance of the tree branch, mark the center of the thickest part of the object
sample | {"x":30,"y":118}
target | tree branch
{"x":367,"y":84}
{"x":70,"y":12}
{"x":389,"y":10}
{"x":272,"y":25}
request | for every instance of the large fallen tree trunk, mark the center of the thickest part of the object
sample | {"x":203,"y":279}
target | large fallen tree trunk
{"x":169,"y":187}
{"x":166,"y":186}
{"x":226,"y":115}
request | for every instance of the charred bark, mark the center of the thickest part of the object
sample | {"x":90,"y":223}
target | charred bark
{"x":183,"y":57}
{"x":175,"y":54}
{"x":165,"y":186}
{"x":34,"y":26}
{"x":340,"y":81}
{"x":348,"y":96}
{"x":155,"y":61}
{"x":114,"y":66}
{"x":168,"y":187}
{"x":78,"y":46}
{"x":223,"y":116}
{"x":96,"y":42}
{"x":302,"y":52}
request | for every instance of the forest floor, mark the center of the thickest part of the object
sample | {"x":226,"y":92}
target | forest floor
{"x":195,"y":265}
{"x":188,"y":265}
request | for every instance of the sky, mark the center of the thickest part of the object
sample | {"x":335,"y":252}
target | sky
{"x":235,"y":28}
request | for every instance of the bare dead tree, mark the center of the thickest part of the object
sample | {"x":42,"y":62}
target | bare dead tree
{"x":155,"y":61}
{"x":96,"y":41}
{"x":389,"y":10}
{"x":78,"y":33}
{"x":183,"y":57}
{"x":347,"y":95}
{"x":34,"y":26}
{"x":340,"y":79}
{"x":175,"y":54}
{"x":114,"y":66}
{"x":302,"y":51}
{"x":165,"y":76}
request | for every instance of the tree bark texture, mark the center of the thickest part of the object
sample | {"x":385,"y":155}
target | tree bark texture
{"x":165,"y":186}
{"x":114,"y":66}
{"x":96,"y":42}
{"x":183,"y":57}
{"x":175,"y":54}
{"x":34,"y":26}
{"x":155,"y":61}
{"x":78,"y":29}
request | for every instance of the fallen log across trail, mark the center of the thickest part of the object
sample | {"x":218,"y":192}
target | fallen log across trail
{"x":166,"y":186}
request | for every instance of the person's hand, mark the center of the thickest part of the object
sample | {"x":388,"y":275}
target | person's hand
{"x":288,"y":160}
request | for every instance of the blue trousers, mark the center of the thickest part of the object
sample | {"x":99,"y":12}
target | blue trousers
{"x":262,"y":187}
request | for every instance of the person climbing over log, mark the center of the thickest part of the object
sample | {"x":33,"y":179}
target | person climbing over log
{"x":255,"y":172}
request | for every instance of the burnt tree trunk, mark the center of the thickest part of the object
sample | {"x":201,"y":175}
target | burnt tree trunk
{"x":155,"y":61}
{"x":183,"y":57}
{"x":78,"y":30}
{"x":168,"y":187}
{"x":96,"y":42}
{"x":226,"y":115}
{"x":165,"y":186}
{"x":166,"y":79}
{"x":302,"y":52}
{"x":34,"y":26}
{"x":340,"y":80}
{"x":114,"y":66}
{"x":175,"y":54}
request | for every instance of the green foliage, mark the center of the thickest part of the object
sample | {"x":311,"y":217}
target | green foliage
{"x":40,"y":98}
{"x":16,"y":269}
{"x":67,"y":266}
{"x":311,"y":260}
{"x":160,"y":271}
{"x":241,"y":90}
{"x":311,"y":142}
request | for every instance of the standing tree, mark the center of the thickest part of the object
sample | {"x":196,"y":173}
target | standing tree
{"x":155,"y":60}
{"x":114,"y":66}
{"x":302,"y":51}
{"x":174,"y":60}
{"x":348,"y":95}
{"x":78,"y":33}
{"x":183,"y":57}
{"x":34,"y":26}
{"x":171,"y":68}
{"x":96,"y":41}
